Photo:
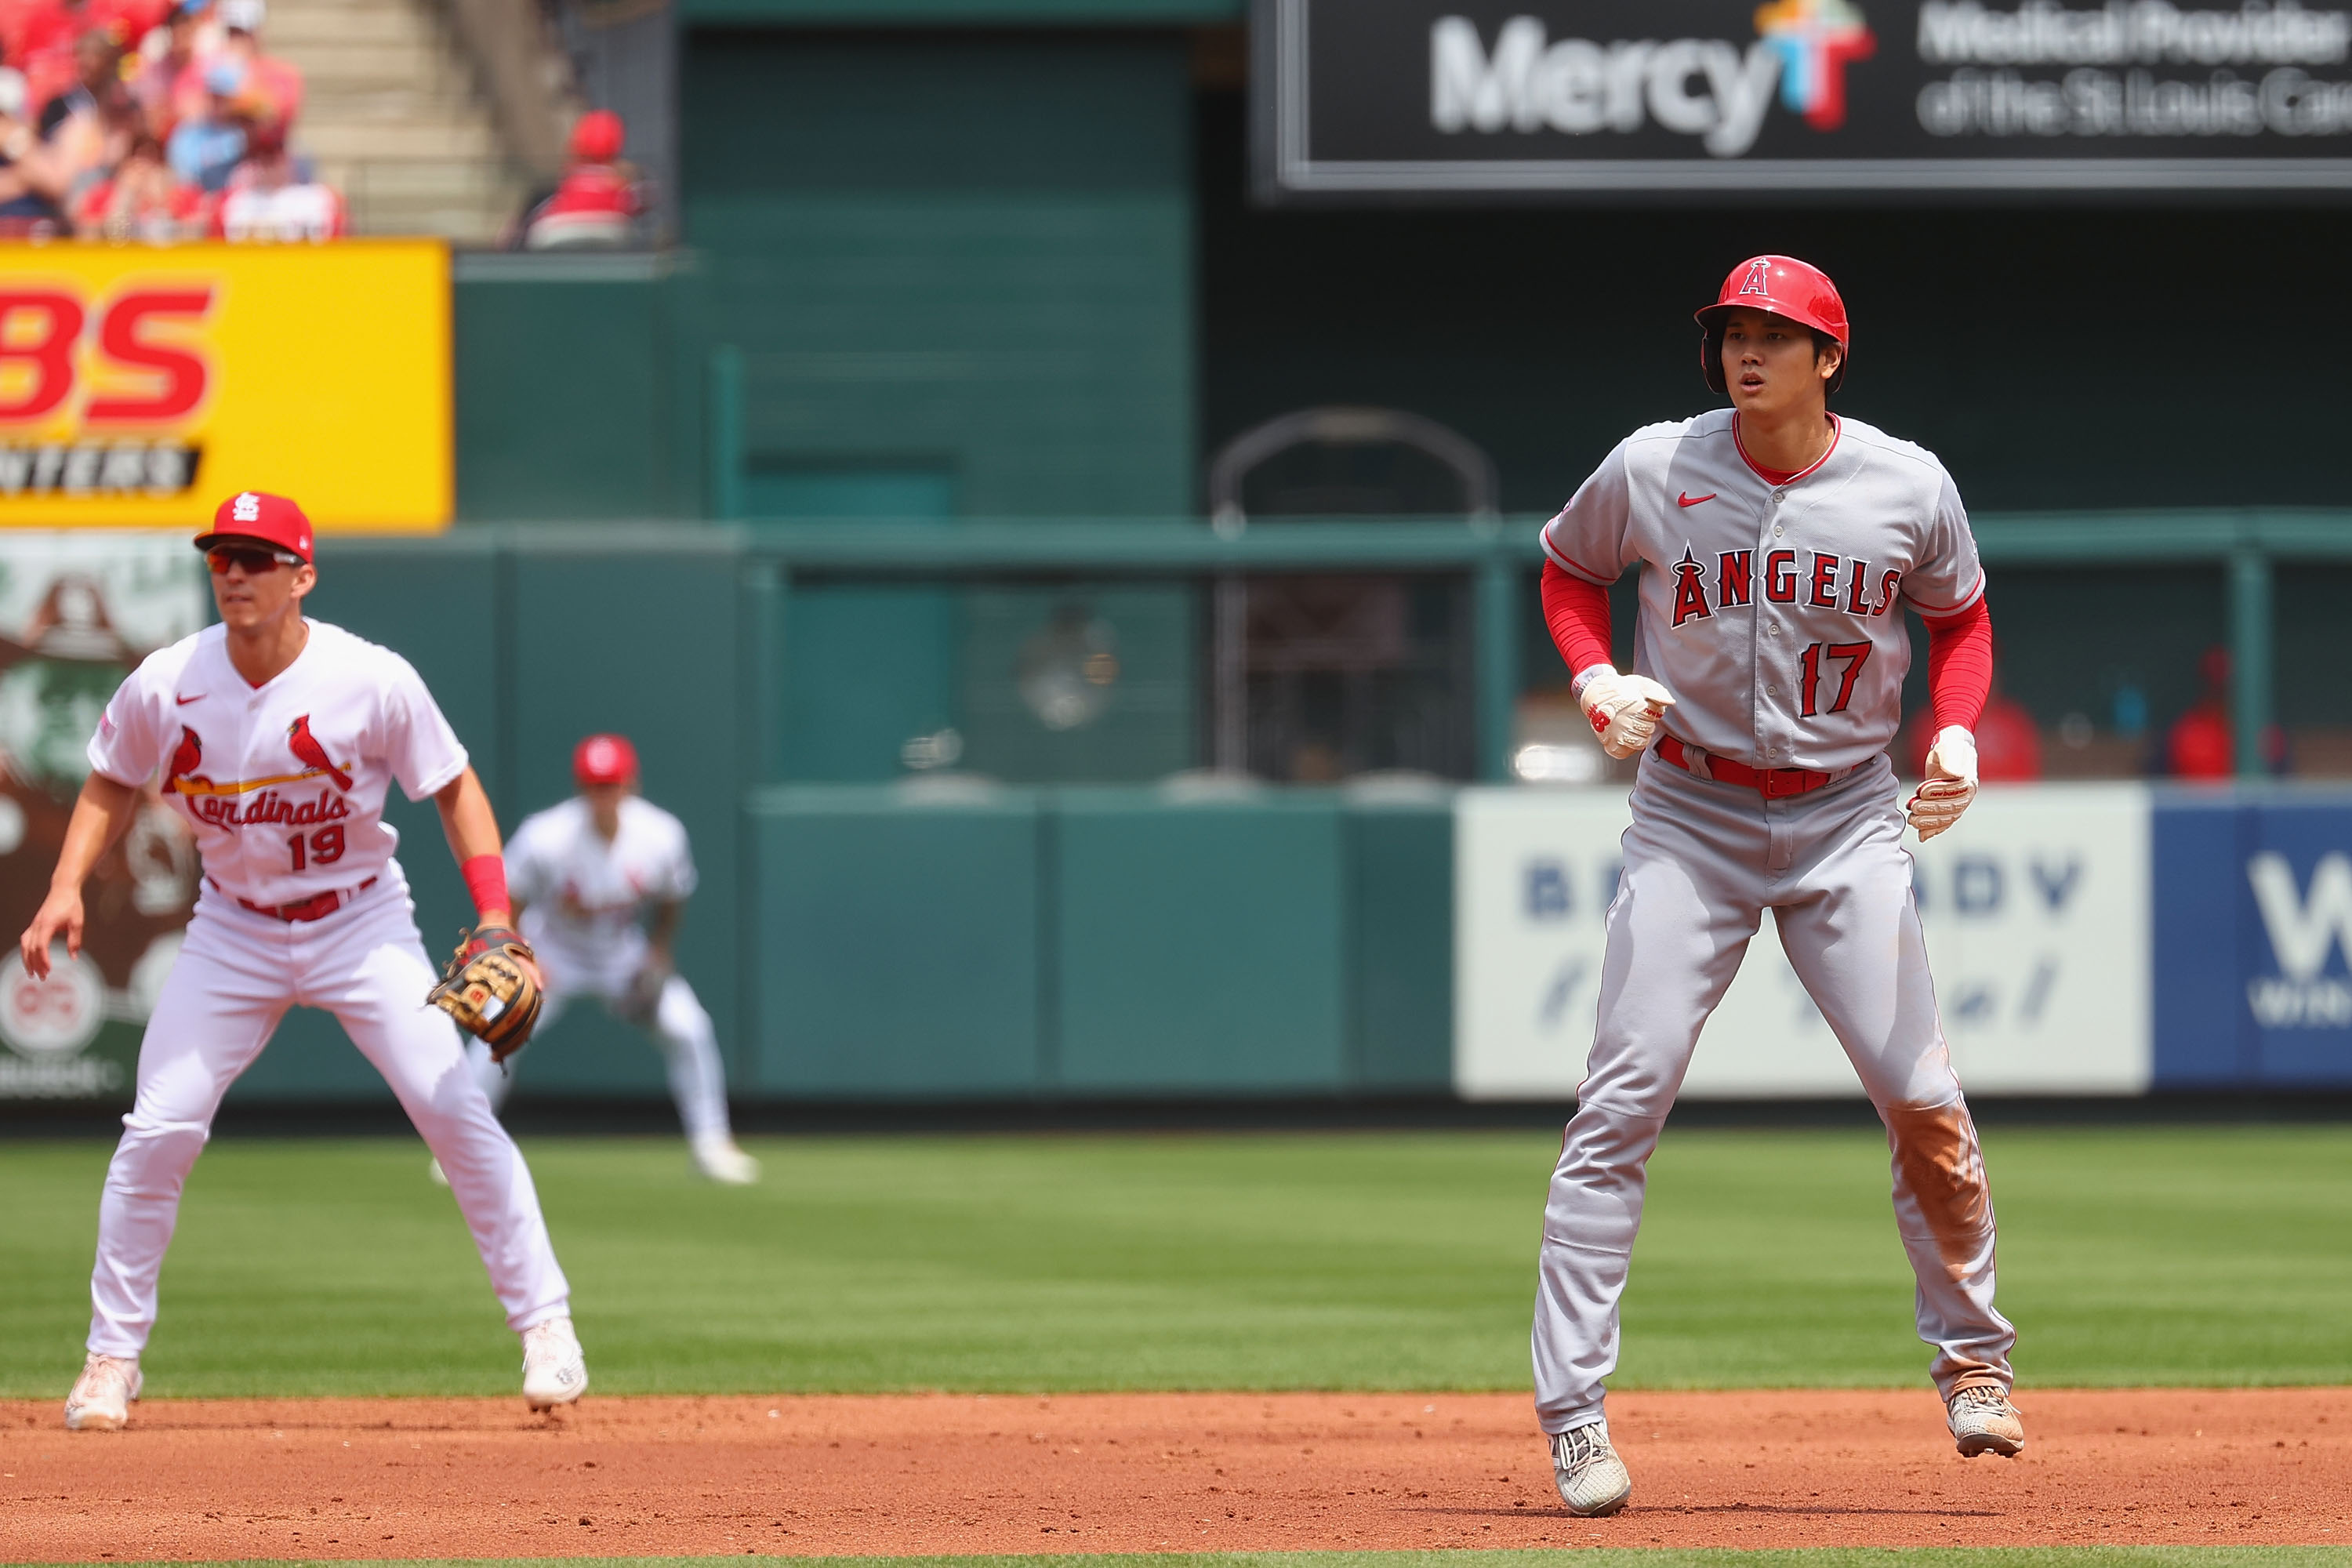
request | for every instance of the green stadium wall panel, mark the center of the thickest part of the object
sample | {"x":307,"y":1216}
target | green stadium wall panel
{"x":1201,"y":946}
{"x":898,"y":948}
{"x":1401,"y":949}
{"x":966,"y":255}
{"x":578,"y":388}
{"x":868,"y":668}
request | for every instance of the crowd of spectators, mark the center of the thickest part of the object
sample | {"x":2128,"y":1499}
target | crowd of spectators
{"x":151,"y":120}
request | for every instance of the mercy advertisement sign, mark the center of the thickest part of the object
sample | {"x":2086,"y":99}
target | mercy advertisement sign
{"x":1374,"y":99}
{"x":140,"y":384}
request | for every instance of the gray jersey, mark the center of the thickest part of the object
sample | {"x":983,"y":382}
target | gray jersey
{"x":1771,"y":611}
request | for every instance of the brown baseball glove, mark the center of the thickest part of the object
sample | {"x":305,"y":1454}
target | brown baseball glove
{"x":488,"y":990}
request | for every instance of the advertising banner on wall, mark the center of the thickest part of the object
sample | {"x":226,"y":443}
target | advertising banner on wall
{"x":140,"y":385}
{"x":1370,"y":99}
{"x":2253,"y":930}
{"x":2036,"y":913}
{"x":78,"y":612}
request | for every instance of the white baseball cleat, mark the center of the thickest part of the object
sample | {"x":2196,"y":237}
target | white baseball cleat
{"x":1983,"y":1421}
{"x":103,"y":1395}
{"x":716,"y":1156}
{"x":555,"y":1371}
{"x":1592,"y":1479}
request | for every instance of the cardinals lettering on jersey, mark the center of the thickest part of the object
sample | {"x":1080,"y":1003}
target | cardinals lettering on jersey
{"x":245,"y":803}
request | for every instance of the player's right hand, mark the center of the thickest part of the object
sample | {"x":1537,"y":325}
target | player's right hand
{"x":1625,"y":710}
{"x":60,"y":914}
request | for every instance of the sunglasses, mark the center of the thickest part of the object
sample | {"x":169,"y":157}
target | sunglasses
{"x":255,"y":559}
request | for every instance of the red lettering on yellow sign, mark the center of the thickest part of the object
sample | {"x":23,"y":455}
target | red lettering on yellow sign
{"x":39,"y":329}
{"x":183,"y":384}
{"x":48,"y":353}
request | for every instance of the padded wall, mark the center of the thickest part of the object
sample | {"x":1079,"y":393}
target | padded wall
{"x":963,"y":256}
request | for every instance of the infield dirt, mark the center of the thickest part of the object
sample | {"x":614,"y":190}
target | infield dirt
{"x":919,"y":1474}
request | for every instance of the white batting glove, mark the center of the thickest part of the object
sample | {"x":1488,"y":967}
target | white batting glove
{"x":1624,"y":709}
{"x":1950,"y":784}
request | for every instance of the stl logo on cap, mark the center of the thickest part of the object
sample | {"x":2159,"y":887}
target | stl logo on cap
{"x":247,"y":509}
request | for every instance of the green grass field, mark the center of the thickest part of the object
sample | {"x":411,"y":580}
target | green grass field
{"x":1342,"y":1260}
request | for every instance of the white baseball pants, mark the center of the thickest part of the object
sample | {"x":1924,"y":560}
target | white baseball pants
{"x":679,"y":1026}
{"x":1703,"y":862}
{"x":233,"y":981}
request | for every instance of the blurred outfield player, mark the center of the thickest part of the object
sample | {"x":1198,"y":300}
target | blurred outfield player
{"x":277,"y":737}
{"x":583,"y":873}
{"x":1781,"y":545}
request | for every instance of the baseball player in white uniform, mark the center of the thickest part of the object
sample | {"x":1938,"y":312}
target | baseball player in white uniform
{"x":1781,"y":545}
{"x":276,"y":737}
{"x":584,"y":875}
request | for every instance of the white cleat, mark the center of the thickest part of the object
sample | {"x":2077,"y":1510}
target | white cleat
{"x":440,"y":1177}
{"x":103,"y":1395}
{"x":716,"y":1156}
{"x":1983,"y":1421}
{"x":1592,"y":1479}
{"x":555,"y":1371}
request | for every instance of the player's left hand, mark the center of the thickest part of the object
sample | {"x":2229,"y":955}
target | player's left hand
{"x":1950,"y":783}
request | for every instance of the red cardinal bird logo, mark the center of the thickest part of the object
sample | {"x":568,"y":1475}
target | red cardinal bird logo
{"x":306,"y":748}
{"x":189,"y":752}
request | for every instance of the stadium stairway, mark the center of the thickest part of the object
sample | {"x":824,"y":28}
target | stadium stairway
{"x":395,"y":118}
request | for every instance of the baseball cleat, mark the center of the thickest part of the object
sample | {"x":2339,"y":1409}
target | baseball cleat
{"x":1592,"y":1479}
{"x":555,"y":1371}
{"x":1983,"y":1421}
{"x":103,"y":1395}
{"x":716,"y":1156}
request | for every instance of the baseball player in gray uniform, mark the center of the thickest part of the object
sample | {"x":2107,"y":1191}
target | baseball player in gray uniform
{"x":1781,"y":545}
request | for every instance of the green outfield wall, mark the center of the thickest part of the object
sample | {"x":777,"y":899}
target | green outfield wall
{"x":1078,"y":913}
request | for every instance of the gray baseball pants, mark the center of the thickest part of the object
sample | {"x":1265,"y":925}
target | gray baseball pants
{"x":1703,"y":862}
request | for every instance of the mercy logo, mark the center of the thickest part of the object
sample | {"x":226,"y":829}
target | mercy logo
{"x":2304,"y":928}
{"x":1716,"y":89}
{"x":1816,"y":40}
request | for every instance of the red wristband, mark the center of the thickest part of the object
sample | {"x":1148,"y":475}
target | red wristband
{"x":486,"y":879}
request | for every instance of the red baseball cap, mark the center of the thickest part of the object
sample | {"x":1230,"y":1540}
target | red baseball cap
{"x":597,"y":136}
{"x":263,"y":518}
{"x":604,"y":760}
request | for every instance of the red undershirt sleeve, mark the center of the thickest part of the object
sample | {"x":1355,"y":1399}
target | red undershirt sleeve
{"x":1959,"y":665}
{"x":1578,"y":613}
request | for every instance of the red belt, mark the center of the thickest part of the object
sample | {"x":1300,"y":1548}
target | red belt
{"x":315,"y":909}
{"x":1772,"y":784}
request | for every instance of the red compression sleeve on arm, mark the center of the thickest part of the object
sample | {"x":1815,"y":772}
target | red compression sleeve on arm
{"x":486,"y":879}
{"x":1959,"y":666}
{"x":1578,"y":613}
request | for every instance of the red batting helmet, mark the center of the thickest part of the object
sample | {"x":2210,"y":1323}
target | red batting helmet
{"x":1785,"y":287}
{"x":604,"y":760}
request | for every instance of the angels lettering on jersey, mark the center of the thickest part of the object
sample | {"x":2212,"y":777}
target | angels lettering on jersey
{"x":1819,"y":579}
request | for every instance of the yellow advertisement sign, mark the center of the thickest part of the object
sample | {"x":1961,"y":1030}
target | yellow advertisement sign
{"x":142,"y":384}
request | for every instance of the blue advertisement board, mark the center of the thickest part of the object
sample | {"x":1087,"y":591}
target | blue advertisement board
{"x":2252,"y":932}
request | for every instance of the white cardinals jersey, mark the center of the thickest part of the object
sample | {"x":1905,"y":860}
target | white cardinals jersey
{"x":582,"y":895}
{"x":1768,"y":610}
{"x":283,"y":784}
